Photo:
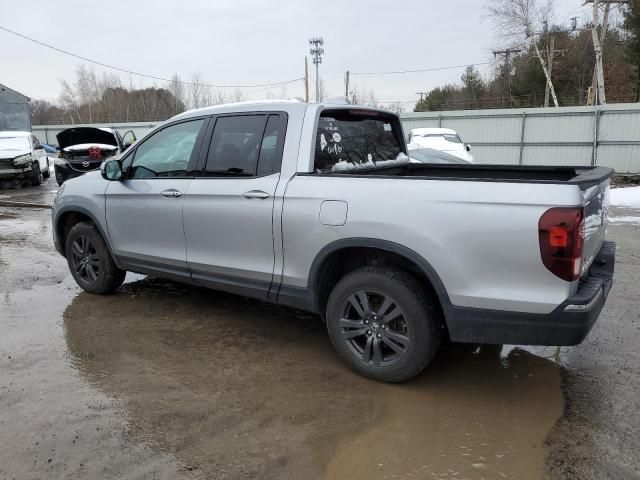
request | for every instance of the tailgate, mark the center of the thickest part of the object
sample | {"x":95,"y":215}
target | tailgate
{"x":596,"y":211}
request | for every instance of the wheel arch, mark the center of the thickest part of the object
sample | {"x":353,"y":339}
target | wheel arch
{"x":69,"y":216}
{"x":342,"y":256}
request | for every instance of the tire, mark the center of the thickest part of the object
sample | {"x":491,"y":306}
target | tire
{"x":378,"y":342}
{"x":36,"y":175}
{"x":90,"y":262}
{"x":47,"y":174}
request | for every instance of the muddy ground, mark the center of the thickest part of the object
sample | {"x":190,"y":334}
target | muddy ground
{"x":163,"y":380}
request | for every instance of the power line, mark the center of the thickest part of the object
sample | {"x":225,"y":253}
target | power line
{"x":124,"y":70}
{"x":432,"y":69}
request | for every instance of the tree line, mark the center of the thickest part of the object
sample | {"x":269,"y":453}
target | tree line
{"x":106,"y":98}
{"x":522,"y":82}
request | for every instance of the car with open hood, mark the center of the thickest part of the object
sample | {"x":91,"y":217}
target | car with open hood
{"x":22,"y":158}
{"x":83,"y":149}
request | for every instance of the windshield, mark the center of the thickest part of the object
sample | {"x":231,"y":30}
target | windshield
{"x":14,"y":143}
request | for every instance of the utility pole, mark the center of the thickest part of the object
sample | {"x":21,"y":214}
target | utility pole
{"x":306,"y":80}
{"x":597,"y":92}
{"x":346,"y":85}
{"x":507,"y":60}
{"x":551,"y":51}
{"x":421,"y":94}
{"x":317,"y":51}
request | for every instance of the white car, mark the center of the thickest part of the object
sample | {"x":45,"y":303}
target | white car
{"x":443,"y":139}
{"x":22,"y":158}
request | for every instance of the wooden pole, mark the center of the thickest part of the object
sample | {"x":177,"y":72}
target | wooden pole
{"x":306,"y":80}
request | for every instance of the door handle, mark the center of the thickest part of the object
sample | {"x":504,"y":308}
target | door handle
{"x":256,"y":194}
{"x":171,"y":193}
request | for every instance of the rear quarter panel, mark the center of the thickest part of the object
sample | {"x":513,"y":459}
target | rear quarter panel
{"x":481,"y":238}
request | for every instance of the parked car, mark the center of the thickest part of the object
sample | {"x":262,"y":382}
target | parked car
{"x":22,"y":158}
{"x":318,"y":207}
{"x":431,"y":155}
{"x":443,"y":139}
{"x":83,"y":149}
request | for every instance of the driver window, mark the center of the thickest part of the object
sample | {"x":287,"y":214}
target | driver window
{"x":167,"y":153}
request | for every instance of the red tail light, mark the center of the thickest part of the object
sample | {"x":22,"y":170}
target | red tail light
{"x":561,"y":235}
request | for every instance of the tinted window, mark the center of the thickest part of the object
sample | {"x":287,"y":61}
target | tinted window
{"x":354,"y":138}
{"x":271,"y":148}
{"x":167,"y":153}
{"x":235,"y":146}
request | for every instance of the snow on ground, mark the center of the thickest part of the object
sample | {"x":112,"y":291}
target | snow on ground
{"x":625,"y":219}
{"x":625,"y":197}
{"x":626,"y":203}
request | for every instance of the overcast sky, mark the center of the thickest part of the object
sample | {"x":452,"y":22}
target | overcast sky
{"x":251,"y":41}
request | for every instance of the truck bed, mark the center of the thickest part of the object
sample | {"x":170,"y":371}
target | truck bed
{"x":584,"y":177}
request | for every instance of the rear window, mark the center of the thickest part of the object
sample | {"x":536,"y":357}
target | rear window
{"x":352,"y":139}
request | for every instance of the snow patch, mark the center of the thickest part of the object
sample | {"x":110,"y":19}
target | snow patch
{"x":625,"y":219}
{"x":343,"y":166}
{"x":625,"y":197}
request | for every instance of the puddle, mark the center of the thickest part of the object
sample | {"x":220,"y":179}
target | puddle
{"x":237,"y":386}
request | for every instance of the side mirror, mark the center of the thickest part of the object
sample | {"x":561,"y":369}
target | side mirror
{"x":468,"y":147}
{"x":111,"y":170}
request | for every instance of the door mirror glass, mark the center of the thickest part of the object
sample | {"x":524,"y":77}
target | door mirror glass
{"x":111,"y":170}
{"x":129,"y":138}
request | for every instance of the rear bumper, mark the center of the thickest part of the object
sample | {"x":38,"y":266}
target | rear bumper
{"x":568,"y":324}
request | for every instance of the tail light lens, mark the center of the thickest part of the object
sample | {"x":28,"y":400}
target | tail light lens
{"x":561,"y":235}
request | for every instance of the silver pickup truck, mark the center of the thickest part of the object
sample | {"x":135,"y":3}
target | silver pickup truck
{"x":318,"y":207}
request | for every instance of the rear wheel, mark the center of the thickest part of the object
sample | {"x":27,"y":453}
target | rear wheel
{"x":383,"y":324}
{"x":36,"y":174}
{"x":47,"y":173}
{"x":90,"y":262}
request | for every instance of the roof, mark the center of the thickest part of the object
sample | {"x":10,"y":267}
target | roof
{"x":4,"y":87}
{"x":266,"y":106}
{"x":433,"y":131}
{"x":14,"y":134}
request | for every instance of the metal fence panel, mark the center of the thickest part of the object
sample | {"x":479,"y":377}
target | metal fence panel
{"x":607,"y":135}
{"x":47,"y":133}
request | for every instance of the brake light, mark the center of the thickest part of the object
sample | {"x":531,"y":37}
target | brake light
{"x":561,"y":236}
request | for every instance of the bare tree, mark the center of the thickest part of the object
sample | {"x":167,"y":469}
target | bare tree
{"x":237,"y":95}
{"x":521,"y":21}
{"x":176,"y":87}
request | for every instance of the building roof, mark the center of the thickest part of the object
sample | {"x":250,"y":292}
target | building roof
{"x":5,"y":88}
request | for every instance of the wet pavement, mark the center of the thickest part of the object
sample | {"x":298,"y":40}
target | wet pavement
{"x":163,"y":380}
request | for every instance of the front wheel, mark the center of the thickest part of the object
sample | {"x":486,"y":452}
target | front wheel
{"x":90,"y":262}
{"x":383,"y":324}
{"x":36,"y":174}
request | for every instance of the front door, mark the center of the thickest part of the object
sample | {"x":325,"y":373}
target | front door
{"x":144,"y":210}
{"x":228,"y":215}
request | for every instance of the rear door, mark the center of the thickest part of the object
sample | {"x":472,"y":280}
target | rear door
{"x":228,"y":216}
{"x":144,"y":210}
